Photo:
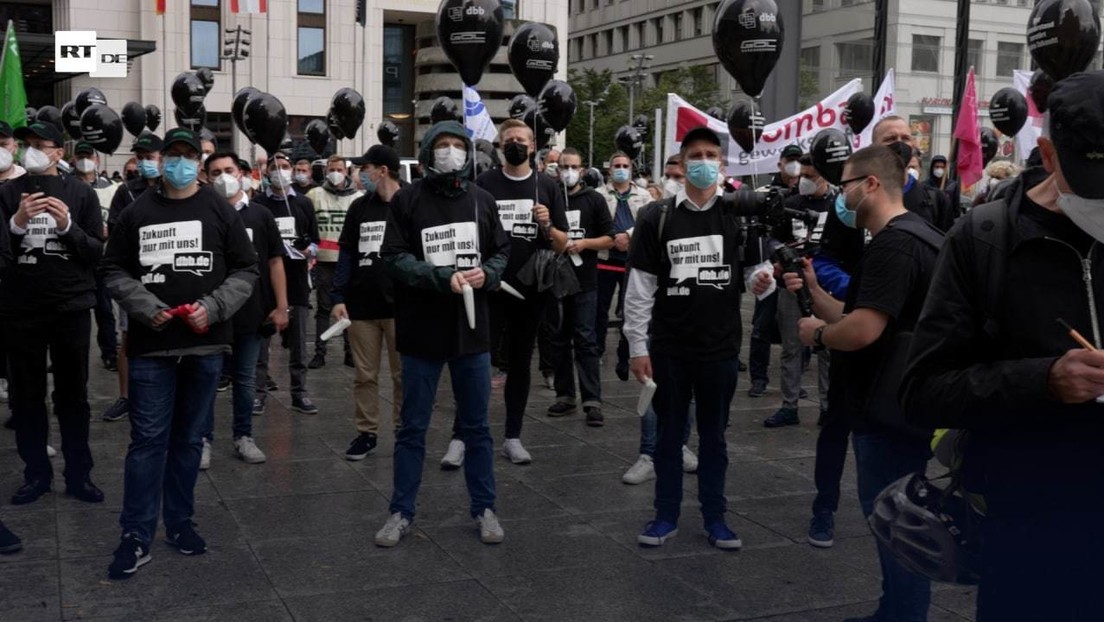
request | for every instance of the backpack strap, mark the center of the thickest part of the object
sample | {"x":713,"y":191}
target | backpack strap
{"x":922,"y":231}
{"x":989,"y":227}
{"x":664,"y":208}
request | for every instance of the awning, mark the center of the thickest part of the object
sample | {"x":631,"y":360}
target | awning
{"x":37,"y":53}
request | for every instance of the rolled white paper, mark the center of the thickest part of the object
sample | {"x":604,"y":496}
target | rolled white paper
{"x":336,"y":329}
{"x":509,"y":289}
{"x":646,"y":394}
{"x":469,"y":304}
{"x":577,"y":260}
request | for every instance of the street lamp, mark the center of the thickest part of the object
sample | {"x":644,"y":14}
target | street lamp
{"x":636,"y":78}
{"x":591,"y":103}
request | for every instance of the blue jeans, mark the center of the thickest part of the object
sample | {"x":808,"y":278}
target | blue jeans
{"x":882,"y":458}
{"x":712,"y":384}
{"x":170,"y":398}
{"x":648,"y":424}
{"x":241,"y":366}
{"x":471,"y":389}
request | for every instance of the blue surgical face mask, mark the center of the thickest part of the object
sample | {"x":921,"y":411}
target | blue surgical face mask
{"x":180,"y":172}
{"x":366,"y":181}
{"x":849,"y":217}
{"x":148,"y":169}
{"x":702,"y":173}
{"x":621,"y":175}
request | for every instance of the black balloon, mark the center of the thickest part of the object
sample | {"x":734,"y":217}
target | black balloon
{"x":265,"y":121}
{"x":747,"y":38}
{"x":628,"y":140}
{"x":1039,"y":89}
{"x":347,"y":111}
{"x":542,"y":129}
{"x":829,"y":152}
{"x":237,"y":106}
{"x":50,"y":114}
{"x":557,"y":104}
{"x":521,"y":105}
{"x":187,"y":93}
{"x":859,"y":112}
{"x":717,"y":113}
{"x":744,"y":125}
{"x":445,"y":109}
{"x":483,"y":163}
{"x":193,"y":121}
{"x":335,"y":127}
{"x":593,"y":178}
{"x":153,"y":117}
{"x":318,"y":136}
{"x":485,"y":146}
{"x":87,"y":97}
{"x":640,"y":122}
{"x":1063,"y":35}
{"x":134,"y":118}
{"x":206,"y":77}
{"x":102,"y":128}
{"x":534,"y":54}
{"x":470,"y":33}
{"x":388,"y":133}
{"x":989,"y":144}
{"x":1008,"y":111}
{"x":70,"y":118}
{"x":29,"y":113}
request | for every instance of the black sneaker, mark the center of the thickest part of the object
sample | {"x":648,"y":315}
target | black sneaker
{"x":111,"y":364}
{"x":594,"y":416}
{"x":360,"y":447}
{"x":318,"y":362}
{"x":119,"y":410}
{"x":560,"y":409}
{"x":9,"y":542}
{"x":803,"y":394}
{"x":304,"y":405}
{"x":271,"y":386}
{"x":129,"y":557}
{"x":822,"y":530}
{"x":258,"y":405}
{"x":223,"y":384}
{"x":758,"y":388}
{"x":784,"y":417}
{"x":349,"y":360}
{"x":185,"y":539}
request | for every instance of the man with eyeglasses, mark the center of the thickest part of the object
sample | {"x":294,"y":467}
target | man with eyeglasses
{"x":56,"y":240}
{"x":180,"y":263}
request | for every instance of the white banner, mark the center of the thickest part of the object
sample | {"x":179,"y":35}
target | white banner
{"x":1029,"y":135}
{"x":798,"y":129}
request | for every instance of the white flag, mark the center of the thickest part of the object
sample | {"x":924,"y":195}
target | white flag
{"x":1028,"y":136}
{"x":477,"y":121}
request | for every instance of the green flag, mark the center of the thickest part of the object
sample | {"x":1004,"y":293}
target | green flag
{"x":13,"y":97}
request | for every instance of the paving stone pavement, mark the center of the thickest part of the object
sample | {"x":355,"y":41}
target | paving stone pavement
{"x":291,"y":539}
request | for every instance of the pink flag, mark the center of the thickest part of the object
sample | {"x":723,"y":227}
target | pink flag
{"x":968,"y":134}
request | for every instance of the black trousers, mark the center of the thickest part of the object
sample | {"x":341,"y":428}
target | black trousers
{"x":66,"y":337}
{"x":520,"y":319}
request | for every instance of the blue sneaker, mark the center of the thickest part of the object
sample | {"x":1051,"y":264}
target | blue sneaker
{"x":656,"y":533}
{"x":722,"y":537}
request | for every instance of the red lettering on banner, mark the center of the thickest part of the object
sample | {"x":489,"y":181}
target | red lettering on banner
{"x":821,"y":112}
{"x":887,"y":104}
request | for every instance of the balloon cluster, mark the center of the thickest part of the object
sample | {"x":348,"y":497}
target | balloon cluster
{"x":747,"y":38}
{"x":87,"y":117}
{"x":261,"y":117}
{"x":548,"y":104}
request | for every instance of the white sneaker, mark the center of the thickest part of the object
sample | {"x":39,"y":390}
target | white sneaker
{"x":247,"y":450}
{"x":205,"y":457}
{"x":3,"y":390}
{"x":50,"y":451}
{"x":490,"y":531}
{"x":641,"y":471}
{"x":393,"y":531}
{"x":689,"y":461}
{"x":454,"y":457}
{"x":513,"y":451}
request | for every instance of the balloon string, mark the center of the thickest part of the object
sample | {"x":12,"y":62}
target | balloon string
{"x":754,"y":141}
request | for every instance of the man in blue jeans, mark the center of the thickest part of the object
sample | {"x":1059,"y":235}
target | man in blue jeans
{"x":180,"y":264}
{"x":682,"y":320}
{"x":444,"y":242}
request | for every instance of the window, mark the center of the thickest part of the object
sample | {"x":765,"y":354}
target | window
{"x":974,"y":55}
{"x":925,"y":53}
{"x":205,"y":34}
{"x":810,"y":59}
{"x":696,"y":15}
{"x":312,"y":38}
{"x":623,"y":31}
{"x":607,"y":36}
{"x":640,"y":40}
{"x":509,"y":9}
{"x":855,"y":57}
{"x":1009,"y":58}
{"x":398,"y":82}
{"x":659,"y":29}
{"x":676,"y":25}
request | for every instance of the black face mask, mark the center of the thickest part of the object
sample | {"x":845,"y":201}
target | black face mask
{"x":131,"y":175}
{"x":516,"y":153}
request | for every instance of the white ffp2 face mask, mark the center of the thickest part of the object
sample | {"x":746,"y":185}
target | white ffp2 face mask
{"x":86,"y":165}
{"x":793,"y":169}
{"x":227,"y":185}
{"x":449,"y":159}
{"x":6,"y":160}
{"x":570,"y":177}
{"x":36,"y":161}
{"x":280,"y":178}
{"x":1087,"y":214}
{"x":806,"y":187}
{"x":336,"y":178}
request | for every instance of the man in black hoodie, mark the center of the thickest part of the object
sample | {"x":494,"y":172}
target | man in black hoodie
{"x":931,"y":204}
{"x":937,"y":178}
{"x":443,"y":235}
{"x":988,"y":356}
{"x":45,"y":296}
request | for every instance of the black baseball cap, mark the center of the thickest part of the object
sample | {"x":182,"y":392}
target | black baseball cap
{"x":792,"y":152}
{"x":147,"y":141}
{"x":702,"y":132}
{"x":6,"y":130}
{"x":182,"y":135}
{"x":45,"y":131}
{"x":1076,"y":109}
{"x":380,"y":155}
{"x":83,"y":147}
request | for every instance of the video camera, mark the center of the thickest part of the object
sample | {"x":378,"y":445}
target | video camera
{"x":790,"y":260}
{"x":766,"y":204}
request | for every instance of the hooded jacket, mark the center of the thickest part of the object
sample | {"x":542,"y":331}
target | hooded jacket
{"x":331,"y":205}
{"x":950,"y":187}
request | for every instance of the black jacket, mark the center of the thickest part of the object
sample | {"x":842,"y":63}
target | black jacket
{"x":932,"y":205}
{"x":989,"y":375}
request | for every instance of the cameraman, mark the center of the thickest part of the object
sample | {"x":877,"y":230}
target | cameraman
{"x":884,"y":299}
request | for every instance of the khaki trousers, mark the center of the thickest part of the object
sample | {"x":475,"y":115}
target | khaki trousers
{"x":366,"y":339}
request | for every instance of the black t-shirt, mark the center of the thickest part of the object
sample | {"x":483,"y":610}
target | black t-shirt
{"x":370,"y":294}
{"x":181,"y":250}
{"x":442,"y":234}
{"x":296,"y":223}
{"x":588,"y":218}
{"x":261,"y":228}
{"x":697,"y":304}
{"x":515,"y":204}
{"x":892,"y":277}
{"x":126,"y":194}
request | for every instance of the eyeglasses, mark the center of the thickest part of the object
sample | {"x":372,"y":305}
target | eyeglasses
{"x":843,"y":184}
